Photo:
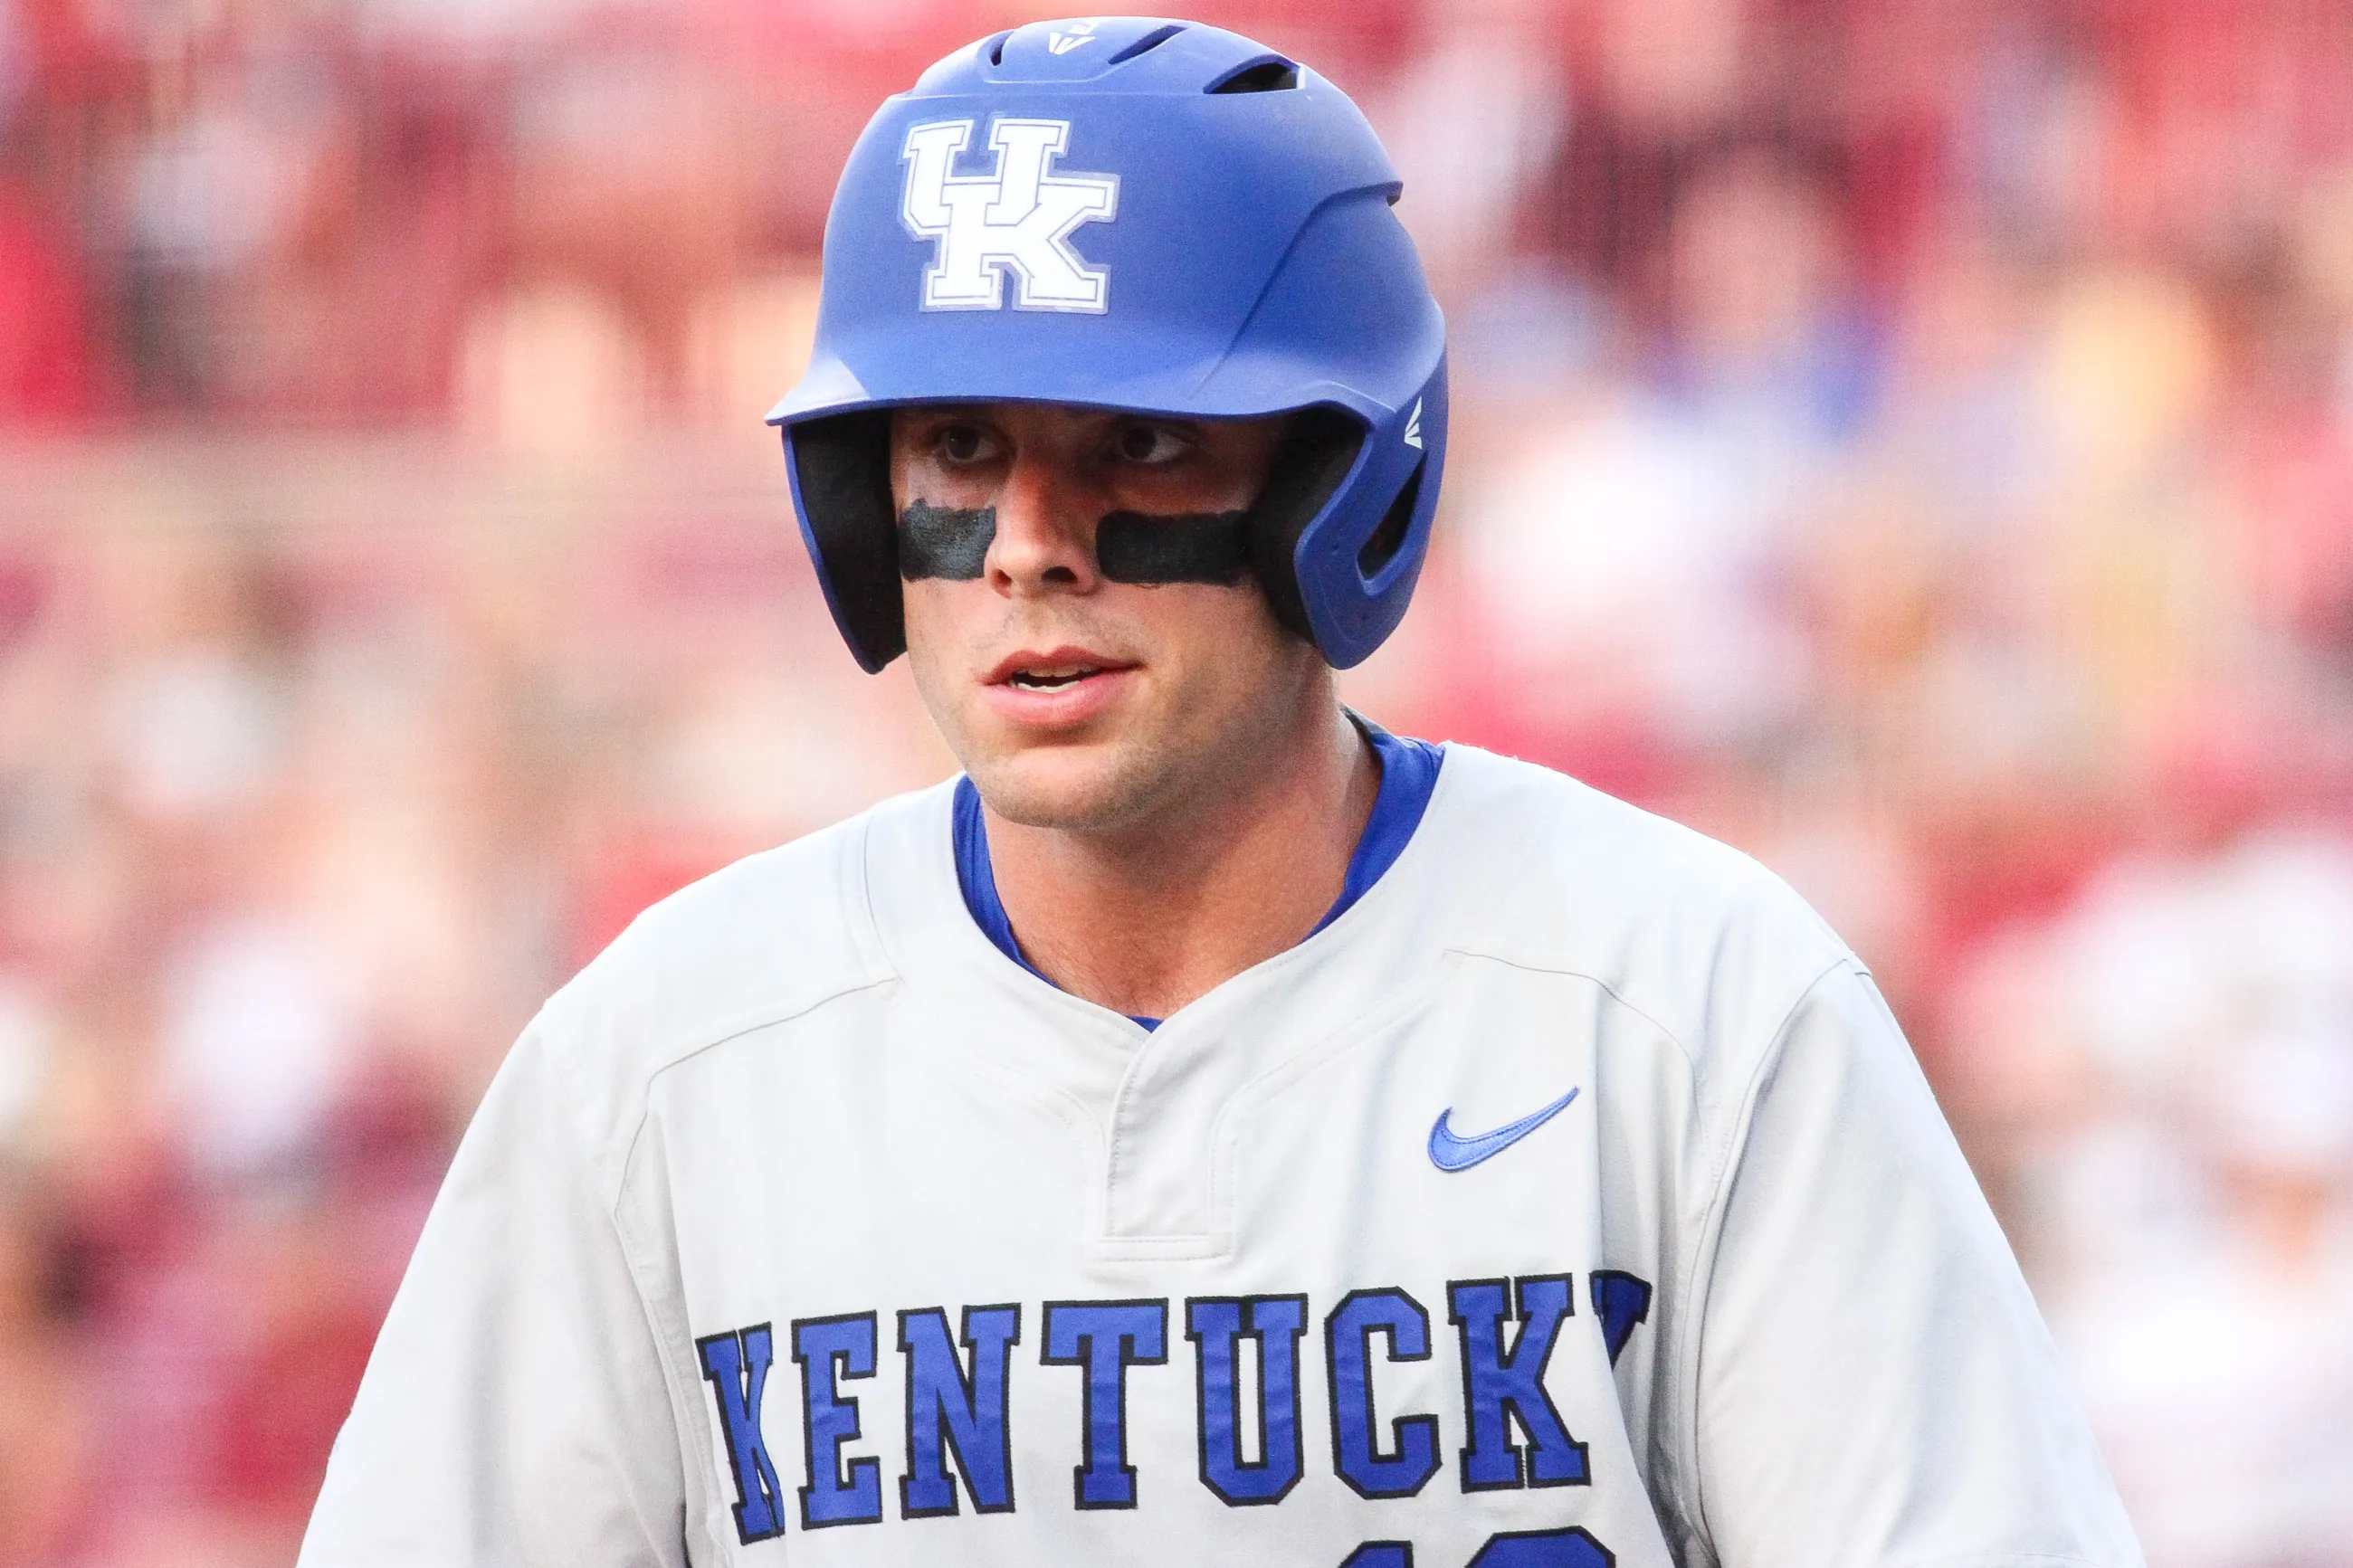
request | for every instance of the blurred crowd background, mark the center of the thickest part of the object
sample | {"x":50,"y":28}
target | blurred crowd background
{"x":1910,"y":439}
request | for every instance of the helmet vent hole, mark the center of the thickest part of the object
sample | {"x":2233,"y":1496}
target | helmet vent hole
{"x":996,"y":49}
{"x":1273,"y":75}
{"x":1389,"y":537}
{"x":1150,"y":41}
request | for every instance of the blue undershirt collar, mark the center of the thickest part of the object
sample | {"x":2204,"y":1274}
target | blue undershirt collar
{"x":1409,"y":776}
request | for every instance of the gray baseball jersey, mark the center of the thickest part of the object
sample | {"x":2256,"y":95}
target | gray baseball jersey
{"x":1570,"y":1199}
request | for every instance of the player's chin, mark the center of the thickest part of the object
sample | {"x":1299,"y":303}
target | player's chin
{"x":1095,"y":784}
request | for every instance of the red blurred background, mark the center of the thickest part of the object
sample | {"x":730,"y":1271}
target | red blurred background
{"x":1910,"y":440}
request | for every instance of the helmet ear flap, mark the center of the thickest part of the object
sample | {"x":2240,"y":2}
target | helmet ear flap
{"x":1317,"y":455}
{"x":1381,"y":546}
{"x":840,"y":468}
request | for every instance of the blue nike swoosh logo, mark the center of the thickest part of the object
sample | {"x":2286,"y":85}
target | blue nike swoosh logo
{"x":1450,"y":1152}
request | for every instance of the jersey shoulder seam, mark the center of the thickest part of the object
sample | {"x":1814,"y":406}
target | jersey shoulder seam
{"x":1573,"y":973}
{"x":1698,"y":1274}
{"x":681,"y":1403}
{"x":2010,"y":1560}
{"x":713,"y":1038}
{"x":644,"y":1278}
{"x":569,"y":1012}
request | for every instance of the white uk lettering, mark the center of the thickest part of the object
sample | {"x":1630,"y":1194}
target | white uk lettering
{"x":1017,"y":220}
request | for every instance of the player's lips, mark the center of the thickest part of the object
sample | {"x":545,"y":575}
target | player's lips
{"x":1034,"y":670}
{"x":1056,"y":687}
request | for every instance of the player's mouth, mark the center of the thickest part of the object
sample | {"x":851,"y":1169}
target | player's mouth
{"x":1049,"y":679}
{"x":1055,"y":686}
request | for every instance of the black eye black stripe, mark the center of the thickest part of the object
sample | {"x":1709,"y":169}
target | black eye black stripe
{"x":951,"y":543}
{"x":1194,"y":547}
{"x":945,"y":541}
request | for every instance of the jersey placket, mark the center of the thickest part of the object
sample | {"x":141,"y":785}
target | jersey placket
{"x":1159,"y":1107}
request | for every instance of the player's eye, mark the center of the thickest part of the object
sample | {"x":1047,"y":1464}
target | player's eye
{"x":1149,"y":445}
{"x":963,"y":444}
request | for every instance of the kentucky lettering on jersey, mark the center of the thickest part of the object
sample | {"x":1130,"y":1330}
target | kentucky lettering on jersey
{"x":807,"y":1227}
{"x":1248,"y":1429}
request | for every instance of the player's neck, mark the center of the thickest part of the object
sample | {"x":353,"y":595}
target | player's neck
{"x":1146,"y":920}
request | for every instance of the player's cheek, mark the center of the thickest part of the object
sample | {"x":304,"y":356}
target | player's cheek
{"x":942,"y":649}
{"x":947,"y":619}
{"x":1220,"y":643}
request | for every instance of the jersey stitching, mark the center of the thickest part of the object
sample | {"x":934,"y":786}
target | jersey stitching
{"x":1699,"y":1275}
{"x":866,"y":929}
{"x":733,"y":1030}
{"x":1144,"y":1061}
{"x":1251,"y":1098}
{"x":613,"y":1178}
{"x":864,"y":933}
{"x":1112,"y":1163}
{"x":1058,"y":1103}
{"x":1670,"y":1358}
{"x":674,"y":1051}
{"x":685,"y":1395}
{"x":1533,"y":967}
{"x":684,"y":1401}
{"x":2008,"y":1559}
{"x":1087,"y":1015}
{"x":685,"y":1398}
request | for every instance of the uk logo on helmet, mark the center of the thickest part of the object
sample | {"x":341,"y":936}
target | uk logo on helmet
{"x":1017,"y":220}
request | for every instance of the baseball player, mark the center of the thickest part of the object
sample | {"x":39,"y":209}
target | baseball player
{"x":1210,"y":1129}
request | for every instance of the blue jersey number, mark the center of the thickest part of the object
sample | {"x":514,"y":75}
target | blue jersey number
{"x":1571,"y":1548}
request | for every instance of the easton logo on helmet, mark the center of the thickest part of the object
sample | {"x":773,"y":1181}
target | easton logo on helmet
{"x":1017,"y":220}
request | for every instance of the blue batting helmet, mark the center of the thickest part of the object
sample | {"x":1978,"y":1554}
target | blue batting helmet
{"x":1133,"y":214}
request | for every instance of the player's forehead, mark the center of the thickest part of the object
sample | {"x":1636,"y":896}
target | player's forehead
{"x":1039,"y":416}
{"x":1080,"y":434}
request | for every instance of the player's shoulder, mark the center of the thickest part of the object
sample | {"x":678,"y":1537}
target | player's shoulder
{"x":1552,"y":874}
{"x":776,"y":936}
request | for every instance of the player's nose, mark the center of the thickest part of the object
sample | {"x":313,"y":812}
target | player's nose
{"x":1045,"y":542}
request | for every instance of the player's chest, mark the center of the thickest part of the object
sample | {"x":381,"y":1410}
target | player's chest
{"x":1370,"y":1284}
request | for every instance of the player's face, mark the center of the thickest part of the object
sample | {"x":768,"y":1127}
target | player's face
{"x":1074,"y":700}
